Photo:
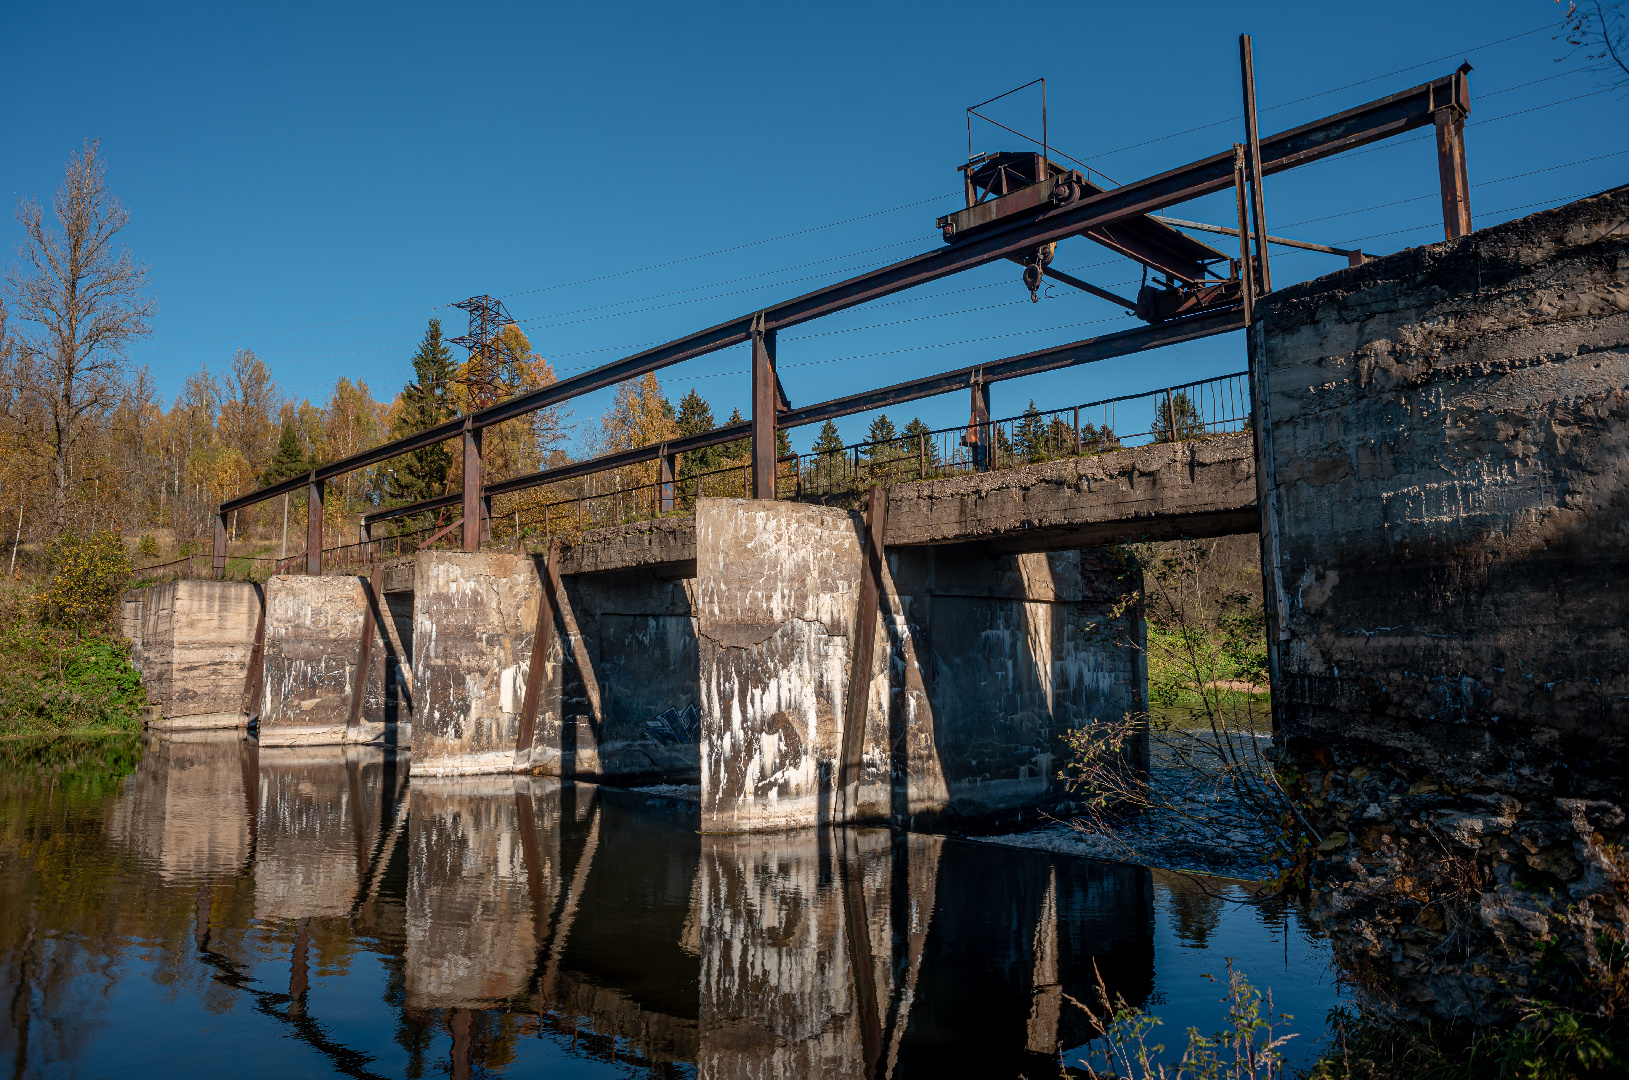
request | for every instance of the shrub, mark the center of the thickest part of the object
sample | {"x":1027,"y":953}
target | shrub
{"x":87,"y":575}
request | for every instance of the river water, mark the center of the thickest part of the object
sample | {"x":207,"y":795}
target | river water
{"x":195,"y":905}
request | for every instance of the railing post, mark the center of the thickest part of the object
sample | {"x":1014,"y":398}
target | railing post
{"x":1247,"y":65}
{"x":473,"y":516}
{"x":1170,"y":418}
{"x":1451,"y":168}
{"x":313,"y":525}
{"x":763,"y":410}
{"x":218,"y":563}
{"x":921,"y":456}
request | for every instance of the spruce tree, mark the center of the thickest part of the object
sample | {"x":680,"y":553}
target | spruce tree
{"x":828,"y":441}
{"x":1030,"y":435}
{"x":426,"y":402}
{"x":881,"y":434}
{"x":695,"y":417}
{"x":919,"y":442}
{"x":290,"y":459}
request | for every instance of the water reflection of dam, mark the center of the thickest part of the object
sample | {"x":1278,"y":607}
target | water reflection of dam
{"x":187,"y":809}
{"x":528,"y":904}
{"x":323,"y":815}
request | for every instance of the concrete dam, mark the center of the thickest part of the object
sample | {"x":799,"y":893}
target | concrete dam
{"x":1440,"y":446}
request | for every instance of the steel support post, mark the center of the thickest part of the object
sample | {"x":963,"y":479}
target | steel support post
{"x":371,"y":592}
{"x":1451,"y":169}
{"x":474,"y":514}
{"x":313,"y":525}
{"x":860,"y":668}
{"x":254,"y":679}
{"x":218,"y":563}
{"x":667,"y":465}
{"x":978,"y":425}
{"x":1247,"y":274}
{"x":763,"y":410}
{"x":1247,"y":66}
{"x":542,"y":639}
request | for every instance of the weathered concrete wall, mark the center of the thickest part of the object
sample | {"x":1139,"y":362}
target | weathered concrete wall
{"x":1206,"y":487}
{"x":1450,"y":451}
{"x":994,"y":658}
{"x":322,"y":810}
{"x":630,"y":689}
{"x":473,"y":619}
{"x":313,"y":642}
{"x":194,"y":643}
{"x":664,"y":542}
{"x":482,"y":888}
{"x":186,"y":810}
{"x":777,"y":592}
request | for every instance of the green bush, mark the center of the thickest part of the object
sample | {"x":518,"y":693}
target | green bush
{"x":53,"y":680}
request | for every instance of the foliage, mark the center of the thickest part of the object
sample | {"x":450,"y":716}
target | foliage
{"x":82,"y":299}
{"x":1180,"y":409}
{"x":147,"y":546}
{"x":87,"y":575}
{"x":1552,"y":1044}
{"x":53,"y":681}
{"x":918,"y":440}
{"x":881,"y":435}
{"x":1217,"y":780}
{"x":1246,"y":1049}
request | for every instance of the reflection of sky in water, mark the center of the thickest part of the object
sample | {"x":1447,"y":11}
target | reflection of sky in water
{"x":169,"y":933}
{"x":1194,"y":934}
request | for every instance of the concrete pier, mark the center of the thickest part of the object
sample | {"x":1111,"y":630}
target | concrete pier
{"x":314,"y":628}
{"x":191,"y":642}
{"x":778,"y":594}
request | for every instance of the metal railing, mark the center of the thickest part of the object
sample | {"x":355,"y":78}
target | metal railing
{"x":1190,"y":411}
{"x":1179,"y":413}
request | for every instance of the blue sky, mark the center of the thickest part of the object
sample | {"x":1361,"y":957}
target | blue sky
{"x":315,"y":181}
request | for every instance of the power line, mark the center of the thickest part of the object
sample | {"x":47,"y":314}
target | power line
{"x":1336,"y":90}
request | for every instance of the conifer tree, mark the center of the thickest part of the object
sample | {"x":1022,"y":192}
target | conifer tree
{"x":695,"y":417}
{"x":919,"y":442}
{"x":290,"y":459}
{"x":881,"y":434}
{"x":425,"y":402}
{"x":828,"y":441}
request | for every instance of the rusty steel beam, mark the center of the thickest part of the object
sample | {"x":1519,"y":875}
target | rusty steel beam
{"x":1451,"y":169}
{"x":255,"y":678}
{"x":1091,"y":350}
{"x":765,"y":398}
{"x":861,"y":667}
{"x":371,"y":592}
{"x":542,"y":639}
{"x":313,"y":525}
{"x":1380,"y":119}
{"x":1088,"y":287}
{"x":218,"y":562}
{"x":472,"y":487}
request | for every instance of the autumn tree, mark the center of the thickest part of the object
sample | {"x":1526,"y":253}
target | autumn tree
{"x":82,"y":299}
